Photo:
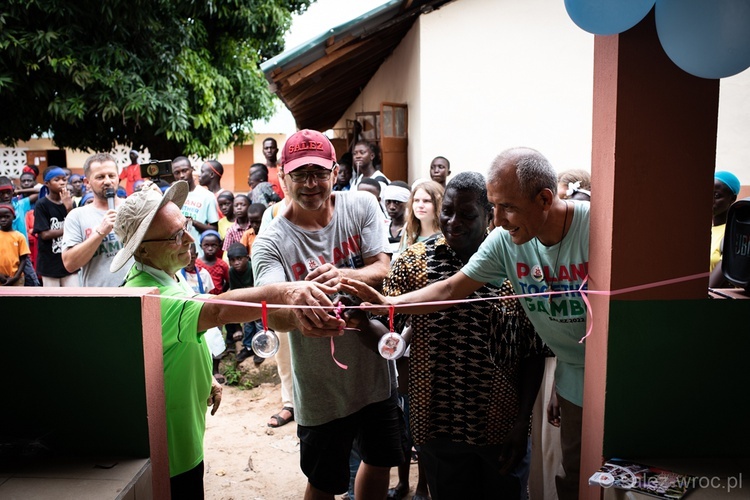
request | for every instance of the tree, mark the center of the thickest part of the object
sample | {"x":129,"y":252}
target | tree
{"x":176,"y":76}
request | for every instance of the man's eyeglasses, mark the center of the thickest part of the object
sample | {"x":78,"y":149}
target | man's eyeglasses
{"x":317,"y":175}
{"x":177,"y":238}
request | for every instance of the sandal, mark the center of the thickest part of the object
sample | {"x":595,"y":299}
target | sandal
{"x":220,"y":378}
{"x":281,"y":420}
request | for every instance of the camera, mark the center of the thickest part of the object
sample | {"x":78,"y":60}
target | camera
{"x":157,"y":169}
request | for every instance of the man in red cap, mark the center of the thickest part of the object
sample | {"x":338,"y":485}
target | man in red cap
{"x":342,"y":389}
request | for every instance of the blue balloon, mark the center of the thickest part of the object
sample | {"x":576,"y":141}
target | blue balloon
{"x":706,"y":38}
{"x":607,"y":17}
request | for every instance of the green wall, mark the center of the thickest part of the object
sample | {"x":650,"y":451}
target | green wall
{"x":72,"y":374}
{"x":677,"y":379}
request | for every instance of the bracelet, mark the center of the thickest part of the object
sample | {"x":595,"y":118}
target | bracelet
{"x":97,"y":232}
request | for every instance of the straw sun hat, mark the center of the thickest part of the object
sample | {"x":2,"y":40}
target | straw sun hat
{"x":135,"y":217}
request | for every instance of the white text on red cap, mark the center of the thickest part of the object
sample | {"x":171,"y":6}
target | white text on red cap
{"x":306,"y":145}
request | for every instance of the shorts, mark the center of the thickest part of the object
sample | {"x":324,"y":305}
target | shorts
{"x":325,"y":449}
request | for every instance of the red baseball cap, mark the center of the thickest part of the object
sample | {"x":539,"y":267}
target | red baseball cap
{"x":306,"y":147}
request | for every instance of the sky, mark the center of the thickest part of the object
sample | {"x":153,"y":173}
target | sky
{"x":324,"y":15}
{"x":320,"y":17}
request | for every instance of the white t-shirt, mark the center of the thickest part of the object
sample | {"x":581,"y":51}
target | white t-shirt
{"x":201,"y":206}
{"x":197,"y":279}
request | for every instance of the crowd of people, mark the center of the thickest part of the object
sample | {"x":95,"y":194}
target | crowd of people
{"x":317,"y":233}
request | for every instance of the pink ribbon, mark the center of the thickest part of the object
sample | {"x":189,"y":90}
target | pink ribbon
{"x":339,"y":307}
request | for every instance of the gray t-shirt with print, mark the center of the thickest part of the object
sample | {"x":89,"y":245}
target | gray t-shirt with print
{"x":323,"y":391}
{"x":79,"y":224}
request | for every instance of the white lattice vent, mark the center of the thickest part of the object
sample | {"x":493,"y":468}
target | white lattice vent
{"x":12,"y":161}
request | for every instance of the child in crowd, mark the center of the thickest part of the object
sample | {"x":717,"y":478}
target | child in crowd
{"x":28,"y":189}
{"x":254,"y":217}
{"x":198,"y":278}
{"x":77,"y":188}
{"x":87,"y":198}
{"x":225,"y":201}
{"x":49,"y":218}
{"x":22,"y":206}
{"x":200,"y":281}
{"x":28,"y":183}
{"x":210,"y":242}
{"x":241,"y":276}
{"x":14,"y":250}
{"x":241,"y":223}
{"x":344,"y":178}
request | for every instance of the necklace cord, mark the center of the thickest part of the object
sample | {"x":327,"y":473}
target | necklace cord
{"x":562,"y":236}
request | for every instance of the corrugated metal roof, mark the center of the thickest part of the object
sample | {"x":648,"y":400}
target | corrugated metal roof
{"x":319,"y":79}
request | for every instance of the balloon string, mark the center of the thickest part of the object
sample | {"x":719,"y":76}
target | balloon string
{"x":391,"y":313}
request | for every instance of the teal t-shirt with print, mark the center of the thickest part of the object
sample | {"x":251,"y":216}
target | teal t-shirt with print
{"x":560,"y":320}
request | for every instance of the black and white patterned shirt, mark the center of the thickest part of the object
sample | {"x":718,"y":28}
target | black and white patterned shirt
{"x":464,"y":363}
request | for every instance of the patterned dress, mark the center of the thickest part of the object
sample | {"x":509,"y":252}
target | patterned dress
{"x":464,"y":363}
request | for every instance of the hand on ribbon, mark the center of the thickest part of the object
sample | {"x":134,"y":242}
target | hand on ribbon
{"x":327,"y":274}
{"x":369,"y":295}
{"x":314,"y":319}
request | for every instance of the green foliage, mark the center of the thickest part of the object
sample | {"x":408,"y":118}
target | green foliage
{"x":247,"y":375}
{"x":177,"y":76}
{"x":235,"y":376}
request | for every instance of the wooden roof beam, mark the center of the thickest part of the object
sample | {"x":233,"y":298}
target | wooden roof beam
{"x":320,"y":64}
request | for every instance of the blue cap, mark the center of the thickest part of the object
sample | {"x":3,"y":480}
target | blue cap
{"x":209,"y":232}
{"x":54,"y":172}
{"x":86,"y":197}
{"x":730,"y":180}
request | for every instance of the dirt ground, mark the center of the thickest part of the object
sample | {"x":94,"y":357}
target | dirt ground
{"x":245,"y":459}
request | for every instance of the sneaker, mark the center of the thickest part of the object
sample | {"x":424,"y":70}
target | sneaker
{"x":258,"y":359}
{"x":244,"y":354}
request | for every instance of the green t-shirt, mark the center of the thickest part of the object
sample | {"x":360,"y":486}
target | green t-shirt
{"x":187,"y":367}
{"x":560,"y":320}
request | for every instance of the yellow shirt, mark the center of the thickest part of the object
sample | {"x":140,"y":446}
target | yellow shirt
{"x":224,"y":224}
{"x":12,"y":246}
{"x":717,"y":235}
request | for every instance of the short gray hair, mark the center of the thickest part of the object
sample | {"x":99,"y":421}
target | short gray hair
{"x":533,"y":170}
